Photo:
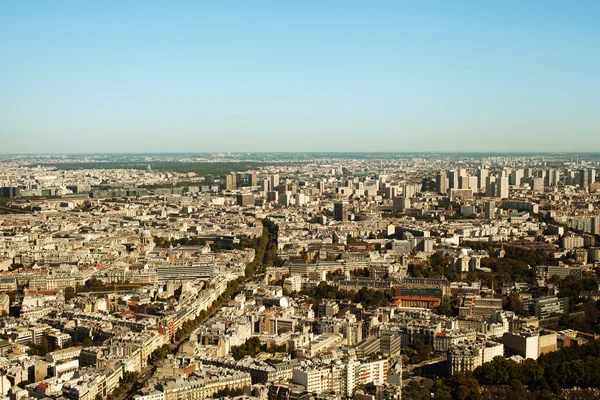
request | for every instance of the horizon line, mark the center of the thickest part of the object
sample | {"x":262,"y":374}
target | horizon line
{"x":293,"y":152}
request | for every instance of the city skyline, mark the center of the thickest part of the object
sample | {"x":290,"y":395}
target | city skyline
{"x":146,"y":77}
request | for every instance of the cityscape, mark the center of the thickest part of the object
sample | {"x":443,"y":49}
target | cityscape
{"x":307,"y":276}
{"x":299,"y":200}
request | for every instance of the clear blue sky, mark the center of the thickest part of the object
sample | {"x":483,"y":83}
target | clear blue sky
{"x":137,"y":76}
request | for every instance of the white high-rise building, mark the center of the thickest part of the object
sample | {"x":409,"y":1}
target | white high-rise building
{"x":502,"y":186}
{"x":274,"y":181}
{"x":482,"y":175}
{"x":554,"y":177}
{"x":515,"y":177}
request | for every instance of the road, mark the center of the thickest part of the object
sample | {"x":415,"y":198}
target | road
{"x":427,"y":369}
{"x":148,"y":372}
{"x":139,"y":383}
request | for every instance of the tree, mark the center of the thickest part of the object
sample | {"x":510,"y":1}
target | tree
{"x":555,"y":279}
{"x":465,"y":387}
{"x":415,"y":391}
{"x":445,"y":308}
{"x":69,"y":293}
{"x":514,"y":303}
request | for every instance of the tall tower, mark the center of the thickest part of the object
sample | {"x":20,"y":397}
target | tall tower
{"x":441,"y":182}
{"x":502,"y":186}
{"x":340,"y":210}
{"x":453,"y":179}
{"x":583,"y":179}
{"x":274,"y":181}
{"x":490,"y":210}
{"x":591,"y":176}
{"x":482,"y":174}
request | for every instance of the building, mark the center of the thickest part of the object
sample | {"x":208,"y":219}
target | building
{"x":230,"y":181}
{"x":538,"y":185}
{"x":490,"y":186}
{"x":11,"y":192}
{"x":466,"y":357}
{"x":441,"y":182}
{"x":390,"y":344}
{"x":328,"y":308}
{"x":374,"y":372}
{"x":4,"y":303}
{"x":475,"y":306}
{"x":489,"y":210}
{"x":524,"y":343}
{"x":293,"y":283}
{"x":572,"y":241}
{"x":401,"y":203}
{"x":340,"y":378}
{"x":417,"y":301}
{"x":482,"y":175}
{"x":502,"y":187}
{"x":341,"y":210}
{"x":583,"y":179}
{"x":549,"y":306}
{"x":245,"y":200}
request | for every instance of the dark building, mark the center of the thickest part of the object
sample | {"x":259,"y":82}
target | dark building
{"x":245,"y":200}
{"x":583,"y":179}
{"x":341,"y":210}
{"x":11,"y":192}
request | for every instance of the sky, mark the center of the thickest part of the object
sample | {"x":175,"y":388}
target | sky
{"x":211,"y":76}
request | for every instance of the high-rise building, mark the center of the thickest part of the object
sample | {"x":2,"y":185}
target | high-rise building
{"x":482,"y":175}
{"x":299,"y":199}
{"x":401,"y":203}
{"x":390,"y":192}
{"x":273,"y":196}
{"x":274,"y":181}
{"x":502,"y":186}
{"x":453,"y":179}
{"x":285,"y":199}
{"x":545,"y":176}
{"x":253,"y":180}
{"x":591,"y":176}
{"x":489,"y":210}
{"x":410,"y":189}
{"x":583,"y":179}
{"x":321,"y":187}
{"x":341,"y":210}
{"x":265,"y":185}
{"x":230,"y":182}
{"x":441,"y":182}
{"x":515,"y":177}
{"x":473,"y":185}
{"x":538,"y":185}
{"x":490,"y":183}
{"x":554,"y":177}
{"x":245,"y":200}
{"x":11,"y":192}
{"x":595,"y":226}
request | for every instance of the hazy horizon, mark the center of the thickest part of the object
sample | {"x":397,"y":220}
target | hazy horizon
{"x":148,"y":77}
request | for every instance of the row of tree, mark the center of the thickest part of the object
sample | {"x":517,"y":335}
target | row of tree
{"x":189,"y":326}
{"x":265,"y":250}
